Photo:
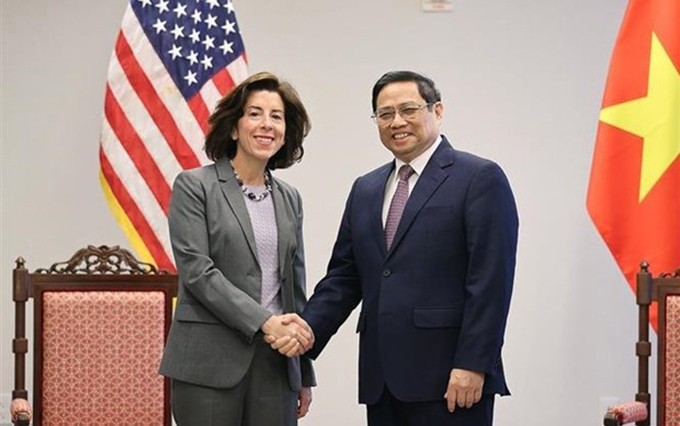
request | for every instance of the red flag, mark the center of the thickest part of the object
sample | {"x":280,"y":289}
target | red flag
{"x":634,"y":191}
{"x":171,"y":63}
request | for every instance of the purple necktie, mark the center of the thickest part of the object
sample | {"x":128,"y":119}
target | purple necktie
{"x":397,"y":204}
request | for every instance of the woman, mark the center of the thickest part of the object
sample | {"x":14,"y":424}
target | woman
{"x":236,"y":235}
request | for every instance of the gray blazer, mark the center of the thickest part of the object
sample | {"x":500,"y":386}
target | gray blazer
{"x":218,"y":312}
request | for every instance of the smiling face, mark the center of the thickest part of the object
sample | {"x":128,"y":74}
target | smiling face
{"x":260,"y":133}
{"x":407,"y":138}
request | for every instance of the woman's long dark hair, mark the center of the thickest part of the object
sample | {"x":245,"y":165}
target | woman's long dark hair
{"x":230,"y":109}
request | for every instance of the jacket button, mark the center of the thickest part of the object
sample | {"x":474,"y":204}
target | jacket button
{"x":387,"y":273}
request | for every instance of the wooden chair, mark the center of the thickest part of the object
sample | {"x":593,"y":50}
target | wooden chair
{"x":664,"y":289}
{"x":100,"y":323}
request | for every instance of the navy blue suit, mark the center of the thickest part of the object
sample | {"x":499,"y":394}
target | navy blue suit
{"x":439,"y":298}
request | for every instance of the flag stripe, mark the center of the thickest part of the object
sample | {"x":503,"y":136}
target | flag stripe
{"x":157,"y":109}
{"x":137,"y":189}
{"x":238,"y":69}
{"x":123,"y":220}
{"x":210,"y":95}
{"x":200,"y":111}
{"x":135,"y":215}
{"x":139,"y":118}
{"x":164,"y":86}
{"x":137,"y":151}
{"x":223,"y":81}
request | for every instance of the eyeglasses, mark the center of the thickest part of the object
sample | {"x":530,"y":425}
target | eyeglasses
{"x":408,"y":112}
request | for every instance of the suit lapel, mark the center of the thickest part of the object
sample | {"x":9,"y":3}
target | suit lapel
{"x":234,"y":197}
{"x":377,"y":190}
{"x":286,"y":227}
{"x":433,"y":176}
{"x":282,"y":225}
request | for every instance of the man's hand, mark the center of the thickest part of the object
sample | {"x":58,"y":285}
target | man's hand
{"x":289,"y":334}
{"x":304,"y":400}
{"x":295,"y":319}
{"x":465,"y":388}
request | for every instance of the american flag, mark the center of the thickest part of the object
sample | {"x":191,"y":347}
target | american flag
{"x":172,"y":61}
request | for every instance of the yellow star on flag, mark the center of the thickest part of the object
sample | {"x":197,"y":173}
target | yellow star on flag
{"x":655,"y":118}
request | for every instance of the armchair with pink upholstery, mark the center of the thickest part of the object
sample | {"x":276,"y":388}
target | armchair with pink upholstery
{"x":99,"y":327}
{"x":665,"y":290}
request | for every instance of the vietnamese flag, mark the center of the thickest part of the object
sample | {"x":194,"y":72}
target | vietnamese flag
{"x":634,"y":190}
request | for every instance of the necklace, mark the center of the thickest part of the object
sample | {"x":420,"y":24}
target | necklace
{"x":250,"y":194}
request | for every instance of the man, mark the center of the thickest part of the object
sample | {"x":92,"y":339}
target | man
{"x":434,"y":279}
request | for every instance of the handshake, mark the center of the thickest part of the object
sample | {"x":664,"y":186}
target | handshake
{"x":289,"y":334}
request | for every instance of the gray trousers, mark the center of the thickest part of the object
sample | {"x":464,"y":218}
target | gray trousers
{"x":262,"y":398}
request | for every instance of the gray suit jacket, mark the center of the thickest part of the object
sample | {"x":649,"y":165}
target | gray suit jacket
{"x":218,"y":312}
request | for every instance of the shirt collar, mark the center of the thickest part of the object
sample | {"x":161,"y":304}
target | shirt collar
{"x":418,"y":164}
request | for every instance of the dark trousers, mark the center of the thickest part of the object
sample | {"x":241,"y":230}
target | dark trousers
{"x":262,"y":398}
{"x":389,"y":411}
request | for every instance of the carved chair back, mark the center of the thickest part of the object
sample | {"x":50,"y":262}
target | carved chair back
{"x":99,"y":327}
{"x":663,"y":289}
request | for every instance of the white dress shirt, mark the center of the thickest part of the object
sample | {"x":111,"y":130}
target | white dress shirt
{"x":418,"y":164}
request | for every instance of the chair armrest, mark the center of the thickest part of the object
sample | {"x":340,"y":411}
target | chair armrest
{"x":628,"y":412}
{"x":20,"y":410}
